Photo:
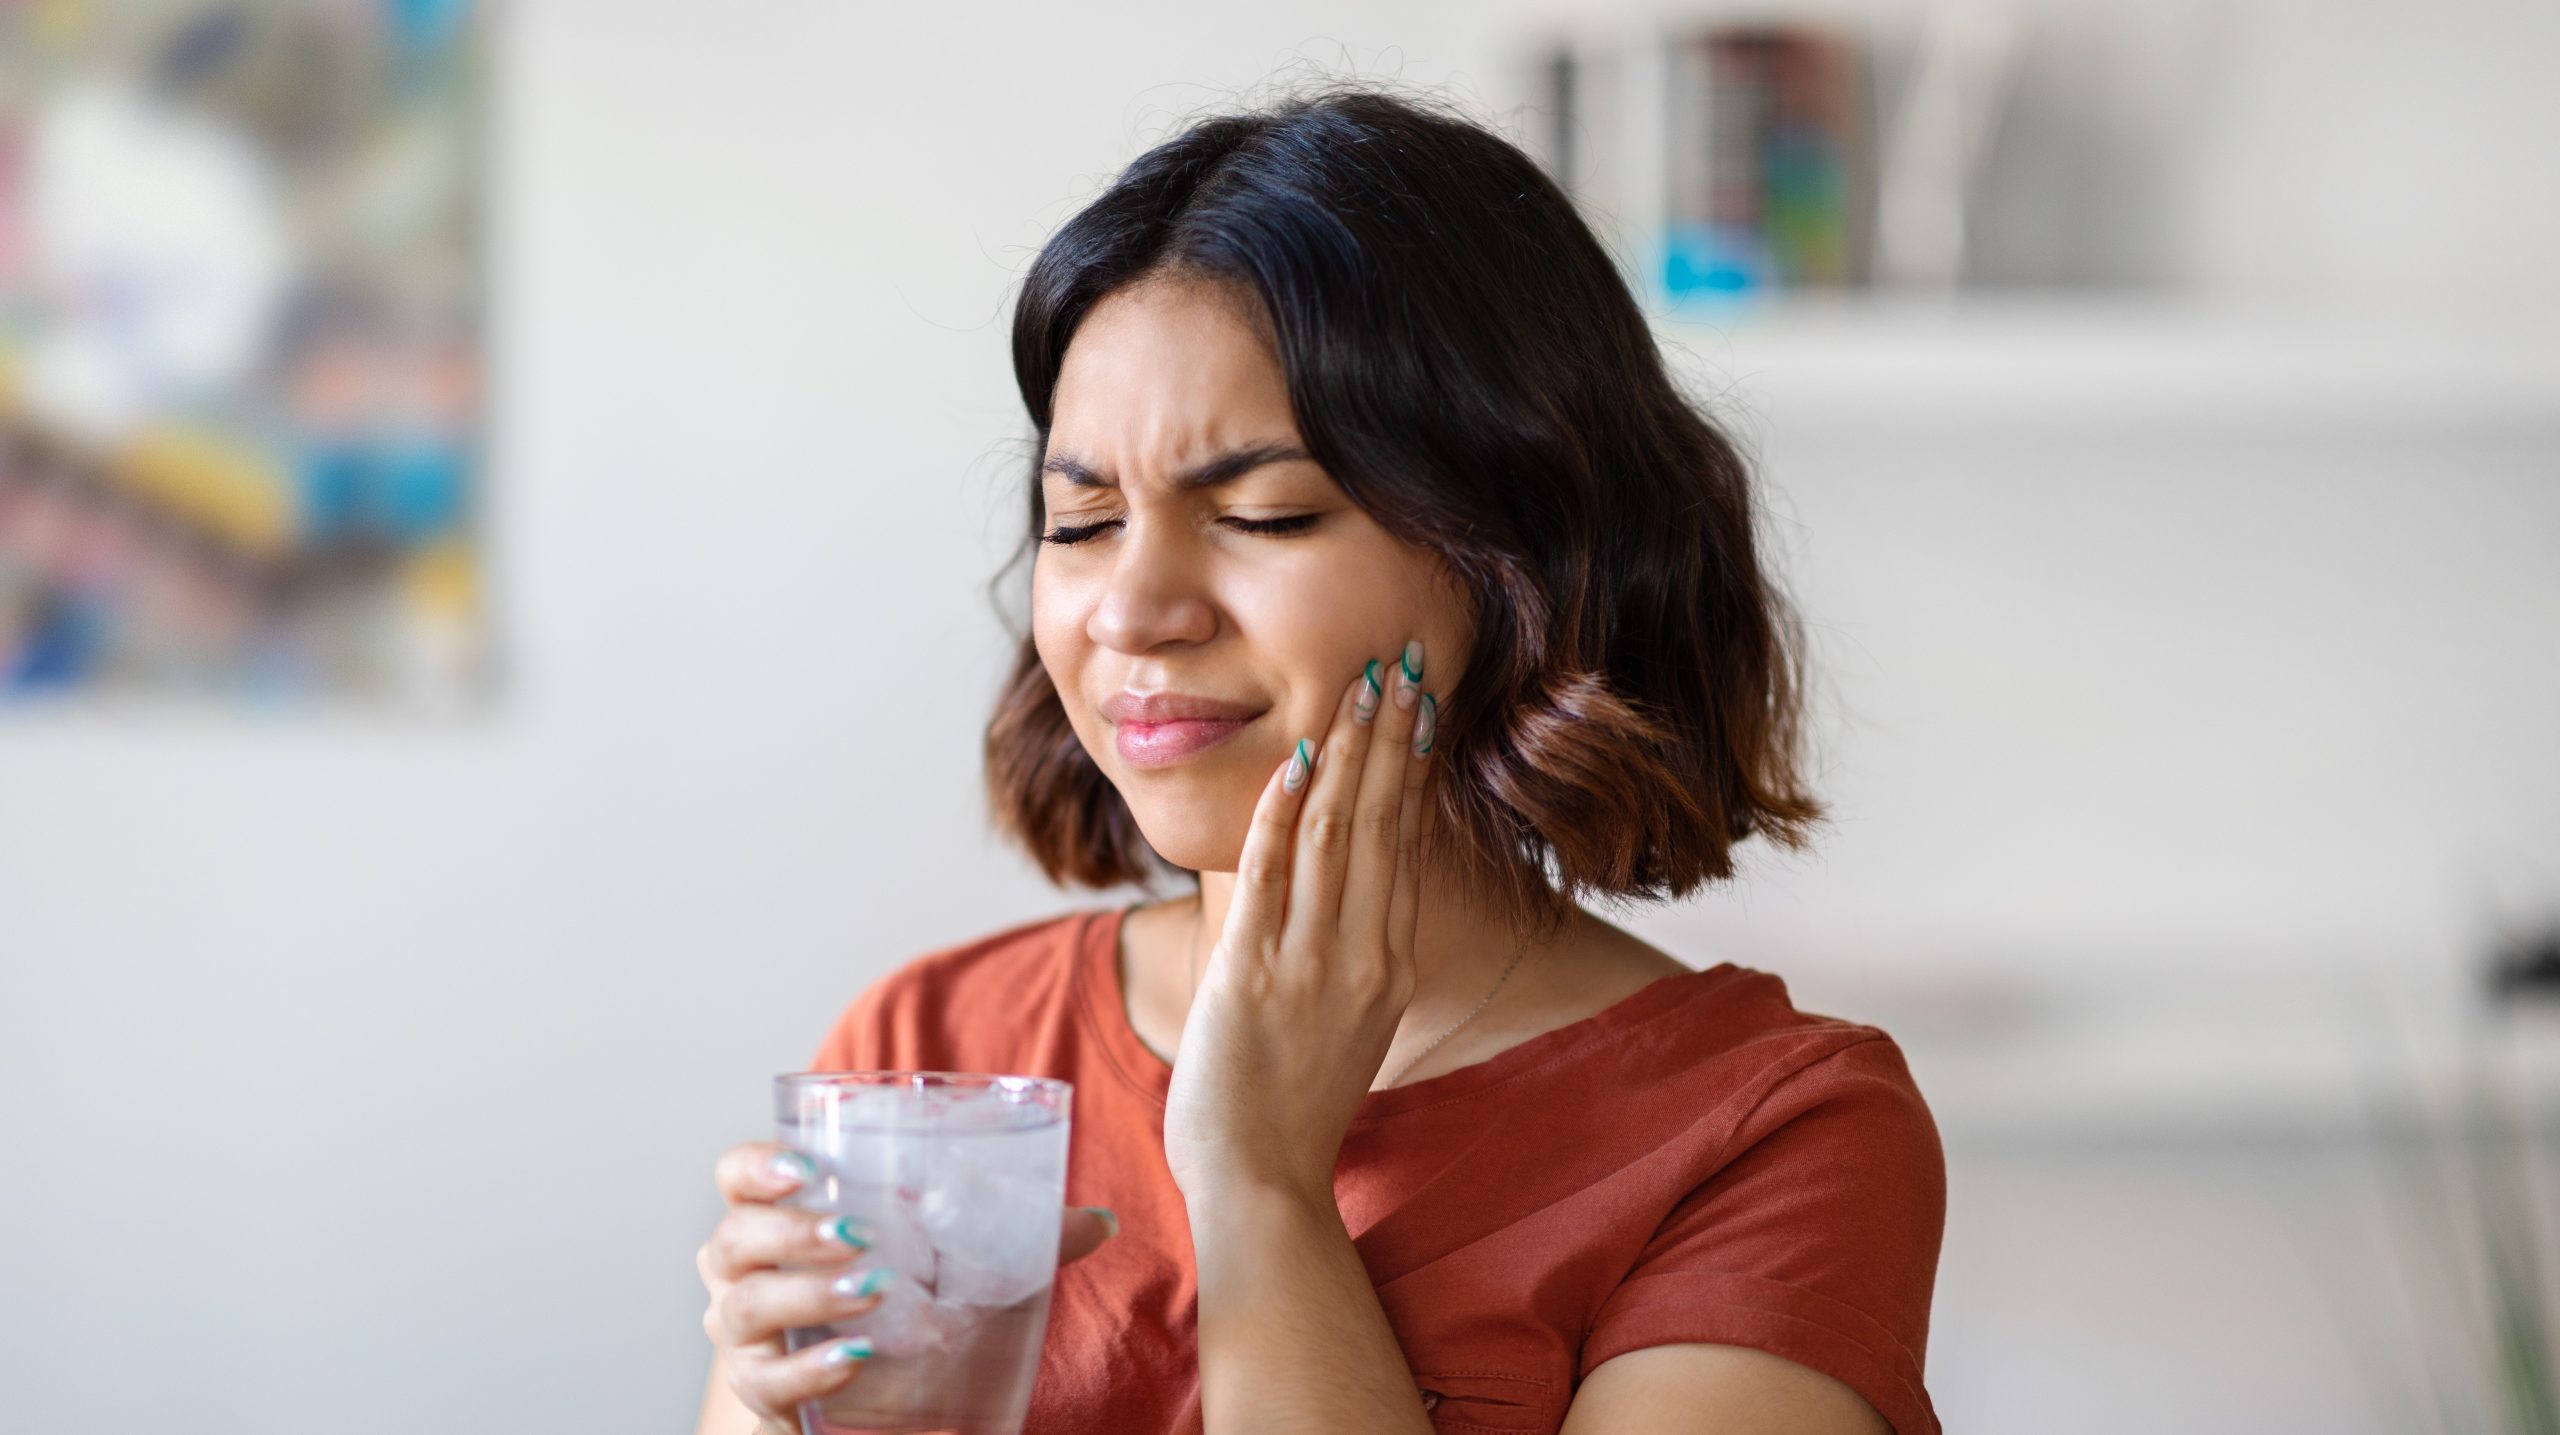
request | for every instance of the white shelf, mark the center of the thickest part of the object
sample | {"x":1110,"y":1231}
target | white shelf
{"x":2219,"y":1066}
{"x":2046,"y":363}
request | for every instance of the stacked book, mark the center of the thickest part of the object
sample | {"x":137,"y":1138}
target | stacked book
{"x":1739,"y":158}
{"x":1767,"y":175}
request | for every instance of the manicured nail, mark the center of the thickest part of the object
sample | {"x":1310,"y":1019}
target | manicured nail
{"x":1301,"y":762}
{"x":1425,"y":724}
{"x":846,"y":1352}
{"x":792,"y":1166}
{"x":870,"y":1282}
{"x":1108,"y":1219}
{"x":845,"y":1231}
{"x":1409,"y":675}
{"x":1364,"y":704}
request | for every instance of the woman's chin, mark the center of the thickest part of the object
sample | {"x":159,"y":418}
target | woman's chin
{"x":1195,"y":844}
{"x":1195,"y":814}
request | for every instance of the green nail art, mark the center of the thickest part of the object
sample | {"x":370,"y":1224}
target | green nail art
{"x":1411,"y":661}
{"x":1425,"y":725}
{"x":845,"y":1352}
{"x":874,"y":1281}
{"x":844,"y":1231}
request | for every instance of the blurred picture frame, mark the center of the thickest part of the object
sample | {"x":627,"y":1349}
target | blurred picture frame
{"x":242,"y":373}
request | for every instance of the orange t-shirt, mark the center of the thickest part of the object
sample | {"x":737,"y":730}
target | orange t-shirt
{"x":1699,"y":1162}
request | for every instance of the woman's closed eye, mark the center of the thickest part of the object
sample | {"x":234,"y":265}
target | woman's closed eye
{"x":1273,"y":527}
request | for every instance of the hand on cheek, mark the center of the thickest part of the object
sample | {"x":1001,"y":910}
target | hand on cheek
{"x":1313,"y":970}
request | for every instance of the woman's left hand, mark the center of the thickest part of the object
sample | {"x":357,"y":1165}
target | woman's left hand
{"x":1314,"y":967}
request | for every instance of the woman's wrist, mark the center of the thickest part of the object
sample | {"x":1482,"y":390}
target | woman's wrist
{"x":1233,"y":1210}
{"x":1292,"y":1335}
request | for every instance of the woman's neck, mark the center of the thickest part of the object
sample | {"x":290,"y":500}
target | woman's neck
{"x":1461,"y":949}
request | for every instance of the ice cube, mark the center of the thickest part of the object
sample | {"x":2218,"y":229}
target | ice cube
{"x":882,"y":1161}
{"x":898,"y":1240}
{"x":907,"y":1321}
{"x":991,"y":1217}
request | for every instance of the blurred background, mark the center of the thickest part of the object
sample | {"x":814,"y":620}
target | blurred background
{"x":2160,"y":416}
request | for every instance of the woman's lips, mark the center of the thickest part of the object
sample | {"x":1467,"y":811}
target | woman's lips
{"x":1158,"y":744}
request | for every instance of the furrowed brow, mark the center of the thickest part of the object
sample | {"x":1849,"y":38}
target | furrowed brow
{"x":1224,"y":468}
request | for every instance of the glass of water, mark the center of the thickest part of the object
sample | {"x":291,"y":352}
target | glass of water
{"x":961,"y":1179}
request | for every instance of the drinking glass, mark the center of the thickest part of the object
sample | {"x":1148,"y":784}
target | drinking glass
{"x":961,"y":1179}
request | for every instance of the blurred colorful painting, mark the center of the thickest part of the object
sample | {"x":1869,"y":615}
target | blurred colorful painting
{"x":240,"y":351}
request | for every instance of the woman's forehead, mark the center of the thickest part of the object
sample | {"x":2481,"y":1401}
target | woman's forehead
{"x":1168,"y":373}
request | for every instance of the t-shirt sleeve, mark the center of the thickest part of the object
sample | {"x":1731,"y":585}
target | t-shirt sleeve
{"x":858,"y":1039}
{"x":1816,"y":1241}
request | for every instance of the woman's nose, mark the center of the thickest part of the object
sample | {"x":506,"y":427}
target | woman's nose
{"x":1155,"y":593}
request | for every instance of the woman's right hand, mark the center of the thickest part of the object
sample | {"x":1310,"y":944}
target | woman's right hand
{"x":753,"y":1302}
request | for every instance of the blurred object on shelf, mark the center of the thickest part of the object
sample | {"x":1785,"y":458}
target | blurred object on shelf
{"x":2528,"y":968}
{"x":1768,"y":177}
{"x":1740,"y":156}
{"x":240,"y":355}
{"x":2517,"y":893}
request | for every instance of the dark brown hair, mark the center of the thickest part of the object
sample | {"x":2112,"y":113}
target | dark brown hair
{"x":1463,"y":358}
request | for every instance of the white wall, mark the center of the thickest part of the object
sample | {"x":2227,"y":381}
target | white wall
{"x":370,"y":1071}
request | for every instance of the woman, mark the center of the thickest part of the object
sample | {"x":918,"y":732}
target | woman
{"x":1387,"y":583}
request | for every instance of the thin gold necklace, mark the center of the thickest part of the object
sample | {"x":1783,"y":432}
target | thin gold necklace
{"x":1200,"y":916}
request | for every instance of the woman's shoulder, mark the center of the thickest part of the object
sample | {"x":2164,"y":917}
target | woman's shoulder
{"x":1772,"y":1045}
{"x":1786,"y":1068}
{"x":1721,"y":1040}
{"x":1738,"y":1076}
{"x":1726,"y":1007}
{"x":1737,"y":1031}
{"x":918,"y":1006}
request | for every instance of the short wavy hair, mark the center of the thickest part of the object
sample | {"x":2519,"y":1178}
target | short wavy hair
{"x":1464,"y":359}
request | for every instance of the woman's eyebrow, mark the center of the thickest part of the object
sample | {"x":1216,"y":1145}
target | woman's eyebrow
{"x":1233,"y":464}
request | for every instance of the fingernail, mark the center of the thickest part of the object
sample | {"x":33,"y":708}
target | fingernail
{"x":792,"y":1166}
{"x":846,"y":1352}
{"x":1425,"y":725}
{"x":845,"y":1231}
{"x":1108,"y":1219}
{"x":1409,"y":674}
{"x":1364,"y":706}
{"x":1301,"y":762}
{"x":870,"y":1282}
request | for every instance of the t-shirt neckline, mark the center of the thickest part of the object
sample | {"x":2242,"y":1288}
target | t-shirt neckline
{"x":1098,"y":948}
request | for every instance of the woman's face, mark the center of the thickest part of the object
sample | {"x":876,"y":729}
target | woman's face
{"x":1243,"y":600}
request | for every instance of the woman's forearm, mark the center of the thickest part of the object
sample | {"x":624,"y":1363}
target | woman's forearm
{"x":1292,"y":1338}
